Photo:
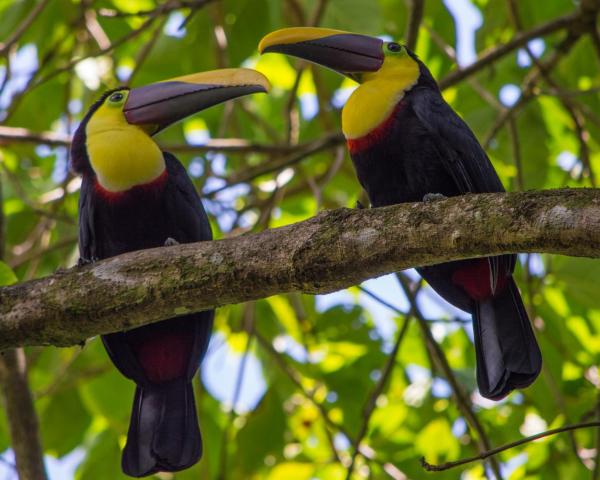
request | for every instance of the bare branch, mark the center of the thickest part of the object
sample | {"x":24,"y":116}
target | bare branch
{"x":20,"y":30}
{"x":494,"y":451}
{"x":490,"y":56}
{"x":371,"y":403}
{"x":298,"y":154}
{"x":23,"y":421}
{"x":9,"y":135}
{"x":417,"y":8}
{"x":162,"y":9}
{"x":439,"y":359}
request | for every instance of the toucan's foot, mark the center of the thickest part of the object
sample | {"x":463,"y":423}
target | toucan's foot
{"x":82,"y":262}
{"x":434,"y":197}
{"x":359,"y":205}
{"x":171,"y":242}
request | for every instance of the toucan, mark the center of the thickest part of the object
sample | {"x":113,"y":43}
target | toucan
{"x":135,"y":196}
{"x":408,"y":145}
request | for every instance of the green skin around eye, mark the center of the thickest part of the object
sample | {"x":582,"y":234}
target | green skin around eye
{"x":400,"y":50}
{"x":116,"y":102}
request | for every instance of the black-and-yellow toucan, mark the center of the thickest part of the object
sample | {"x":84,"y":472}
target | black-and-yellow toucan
{"x":134,"y":196}
{"x":406,"y":142}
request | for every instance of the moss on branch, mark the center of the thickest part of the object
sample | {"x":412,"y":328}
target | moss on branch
{"x":334,"y":250}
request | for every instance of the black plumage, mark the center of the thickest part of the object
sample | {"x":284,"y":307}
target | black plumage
{"x":161,"y":358}
{"x":427,"y":148}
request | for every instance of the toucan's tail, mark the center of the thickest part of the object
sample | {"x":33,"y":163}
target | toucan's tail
{"x":508,"y":355}
{"x":163,"y":433}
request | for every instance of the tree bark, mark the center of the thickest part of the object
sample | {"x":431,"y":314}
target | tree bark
{"x":18,"y":402}
{"x":334,"y":250}
{"x":21,"y":415}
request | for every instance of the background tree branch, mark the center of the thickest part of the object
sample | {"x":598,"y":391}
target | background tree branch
{"x":18,"y":402}
{"x":333,"y":250}
{"x":335,"y":400}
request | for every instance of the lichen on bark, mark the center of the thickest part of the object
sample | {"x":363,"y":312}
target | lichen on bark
{"x":334,"y":250}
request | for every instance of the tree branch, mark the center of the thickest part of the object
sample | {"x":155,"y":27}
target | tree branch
{"x":438,"y":357}
{"x":22,"y":28}
{"x":371,"y":403}
{"x":12,"y":135}
{"x":446,"y":466}
{"x":18,"y":403}
{"x":490,"y":56}
{"x":417,"y":8}
{"x":333,"y":250}
{"x":20,"y":412}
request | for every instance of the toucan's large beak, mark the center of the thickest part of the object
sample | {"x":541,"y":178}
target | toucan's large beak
{"x":346,"y":53}
{"x":160,"y":104}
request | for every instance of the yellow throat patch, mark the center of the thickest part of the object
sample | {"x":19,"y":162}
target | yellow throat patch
{"x":378,"y":94}
{"x":122,"y":155}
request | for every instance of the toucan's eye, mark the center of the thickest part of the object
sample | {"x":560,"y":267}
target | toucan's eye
{"x":116,"y":97}
{"x":394,"y":47}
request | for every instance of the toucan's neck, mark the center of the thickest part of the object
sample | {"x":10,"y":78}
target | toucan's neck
{"x":123,"y":158}
{"x":375,"y":136}
{"x":143,"y":193}
{"x":373,"y":102}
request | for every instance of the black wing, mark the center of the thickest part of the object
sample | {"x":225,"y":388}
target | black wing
{"x":460,"y":152}
{"x":87,"y":244}
{"x":189,"y":218}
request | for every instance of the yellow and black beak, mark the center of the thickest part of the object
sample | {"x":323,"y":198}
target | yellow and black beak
{"x":346,"y":53}
{"x":160,"y":104}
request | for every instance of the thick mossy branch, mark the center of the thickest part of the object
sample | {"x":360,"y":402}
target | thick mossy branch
{"x":334,"y":250}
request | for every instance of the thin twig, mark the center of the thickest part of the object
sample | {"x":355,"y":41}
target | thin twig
{"x":568,"y":103}
{"x":596,"y":471}
{"x":564,"y":92}
{"x":371,"y":402}
{"x":7,"y":71}
{"x":117,"y":43}
{"x":528,"y":91}
{"x":21,"y":415}
{"x":324,"y":143}
{"x":16,"y":135}
{"x":23,"y":26}
{"x":160,"y":10}
{"x":417,"y":8}
{"x":35,"y":254}
{"x":295,"y":7}
{"x":516,"y":151}
{"x":490,"y":56}
{"x":396,"y":310}
{"x":494,"y":451}
{"x":295,"y":378}
{"x":51,"y":52}
{"x":144,"y":52}
{"x":249,"y":319}
{"x":462,"y":399}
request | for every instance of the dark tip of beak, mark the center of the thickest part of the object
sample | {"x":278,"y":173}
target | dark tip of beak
{"x":345,"y":53}
{"x":161,"y":104}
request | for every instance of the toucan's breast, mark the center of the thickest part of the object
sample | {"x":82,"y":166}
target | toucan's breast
{"x":377,"y":135}
{"x":399,"y":161}
{"x":141,"y":217}
{"x":137,"y":193}
{"x":123,"y":158}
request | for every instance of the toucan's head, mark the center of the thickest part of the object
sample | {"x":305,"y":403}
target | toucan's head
{"x":114,"y":140}
{"x":385,"y":70}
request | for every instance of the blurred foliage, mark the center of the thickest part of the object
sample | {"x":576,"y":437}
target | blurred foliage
{"x":320,"y":365}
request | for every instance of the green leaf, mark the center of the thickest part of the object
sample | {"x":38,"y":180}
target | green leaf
{"x":7,"y":276}
{"x":266,"y":422}
{"x":103,"y":459}
{"x":63,"y":423}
